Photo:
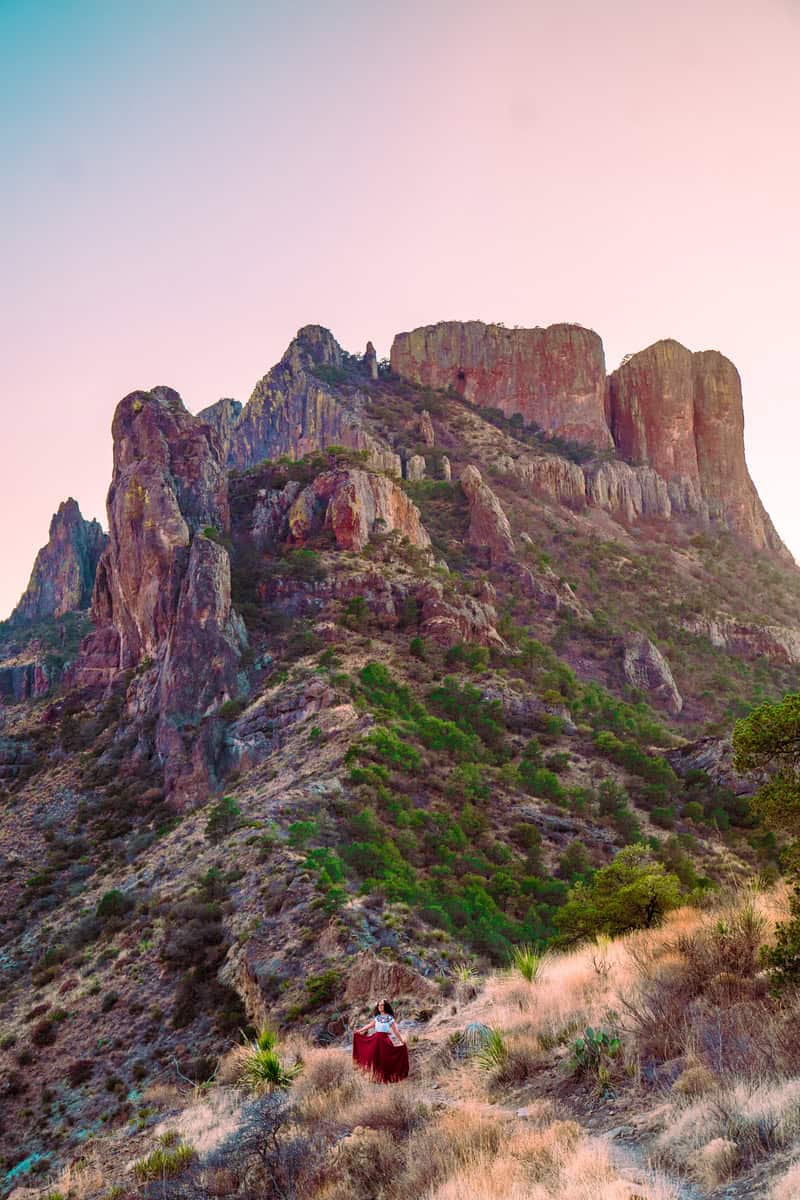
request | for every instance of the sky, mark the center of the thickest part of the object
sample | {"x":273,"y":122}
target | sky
{"x":186,"y":183}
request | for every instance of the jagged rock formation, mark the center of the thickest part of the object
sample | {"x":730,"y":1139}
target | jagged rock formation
{"x":294,"y":411}
{"x":63,"y":573}
{"x":489,"y":529}
{"x":645,"y":668}
{"x":222,"y":416}
{"x":682,"y":414}
{"x":554,"y":377}
{"x":352,"y":504}
{"x":163,"y":587}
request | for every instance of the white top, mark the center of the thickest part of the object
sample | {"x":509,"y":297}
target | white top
{"x":383,"y":1023}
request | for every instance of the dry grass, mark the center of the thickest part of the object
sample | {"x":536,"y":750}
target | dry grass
{"x":788,"y":1186}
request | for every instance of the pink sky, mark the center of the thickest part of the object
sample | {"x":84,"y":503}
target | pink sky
{"x":184,"y":189}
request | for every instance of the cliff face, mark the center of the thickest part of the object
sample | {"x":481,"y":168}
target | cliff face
{"x":676,"y":416}
{"x":554,"y":377}
{"x":293,"y":410}
{"x":63,"y":573}
{"x":681,"y":414}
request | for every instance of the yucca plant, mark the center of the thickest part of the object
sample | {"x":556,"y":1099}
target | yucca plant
{"x":263,"y":1070}
{"x":526,"y":959}
{"x":493,"y":1053}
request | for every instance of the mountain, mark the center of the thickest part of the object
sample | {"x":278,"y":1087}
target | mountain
{"x":377,"y":669}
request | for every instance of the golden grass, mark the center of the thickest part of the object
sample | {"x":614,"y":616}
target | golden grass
{"x":788,"y":1186}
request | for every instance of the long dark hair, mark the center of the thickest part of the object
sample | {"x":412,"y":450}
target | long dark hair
{"x":387,"y":1007}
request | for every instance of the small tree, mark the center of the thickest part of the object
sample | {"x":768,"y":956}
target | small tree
{"x":768,"y":741}
{"x":632,"y":892}
{"x":222,"y":820}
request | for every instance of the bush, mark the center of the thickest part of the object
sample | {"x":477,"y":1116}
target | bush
{"x":165,"y":1161}
{"x":113,"y":907}
{"x":222,"y":820}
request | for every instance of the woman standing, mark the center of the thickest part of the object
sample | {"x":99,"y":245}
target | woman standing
{"x":374,"y":1049}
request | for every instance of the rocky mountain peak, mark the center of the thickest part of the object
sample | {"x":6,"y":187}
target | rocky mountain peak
{"x":64,"y":570}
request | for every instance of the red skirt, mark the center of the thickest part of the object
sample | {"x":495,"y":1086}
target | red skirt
{"x":378,"y":1054}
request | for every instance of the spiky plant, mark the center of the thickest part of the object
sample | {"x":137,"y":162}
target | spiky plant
{"x":527,"y":959}
{"x":263,"y":1070}
{"x":493,"y":1053}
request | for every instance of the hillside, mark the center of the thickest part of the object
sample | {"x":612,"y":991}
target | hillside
{"x":381,"y":670}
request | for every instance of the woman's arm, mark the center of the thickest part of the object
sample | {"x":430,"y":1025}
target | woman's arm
{"x":366,"y":1028}
{"x":397,"y":1032}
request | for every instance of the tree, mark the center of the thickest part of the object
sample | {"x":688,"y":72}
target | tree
{"x":632,"y":892}
{"x":768,"y":741}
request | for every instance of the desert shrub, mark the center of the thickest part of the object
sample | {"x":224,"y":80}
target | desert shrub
{"x":528,"y":960}
{"x":417,"y":648}
{"x":113,"y":907}
{"x":322,"y":988}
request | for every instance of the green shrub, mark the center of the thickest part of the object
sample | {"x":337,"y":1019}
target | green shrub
{"x":113,"y":907}
{"x":223,"y":819}
{"x":417,"y":648}
{"x":526,"y":959}
{"x":322,"y":988}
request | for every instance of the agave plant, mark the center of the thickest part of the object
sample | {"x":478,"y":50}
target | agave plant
{"x":493,"y":1053}
{"x":526,"y":959}
{"x":263,"y":1070}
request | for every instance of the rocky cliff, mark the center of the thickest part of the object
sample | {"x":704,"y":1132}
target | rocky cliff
{"x":681,"y":414}
{"x":554,"y":378}
{"x":674,"y":416}
{"x":64,"y":570}
{"x":162,"y":593}
{"x":293,"y":410}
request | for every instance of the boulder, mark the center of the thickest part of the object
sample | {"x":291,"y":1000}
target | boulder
{"x":371,"y":361}
{"x":645,"y":668}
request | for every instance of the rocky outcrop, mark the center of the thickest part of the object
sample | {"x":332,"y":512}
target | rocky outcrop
{"x":779,"y":643}
{"x":427,"y":434}
{"x":626,"y":491}
{"x":675,"y":417}
{"x":681,"y":414}
{"x":645,"y":668}
{"x":555,"y":377}
{"x":552,"y":476}
{"x":64,"y":571}
{"x":295,"y":411}
{"x":489,"y":530}
{"x":168,"y":483}
{"x":353,"y":504}
{"x":415,"y":467}
{"x":222,"y":416}
{"x":371,"y":361}
{"x":446,"y":469}
{"x":715,"y":757}
{"x":162,"y":592}
{"x":25,"y":680}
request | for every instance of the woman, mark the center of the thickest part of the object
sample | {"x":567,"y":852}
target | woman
{"x":376,"y":1052}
